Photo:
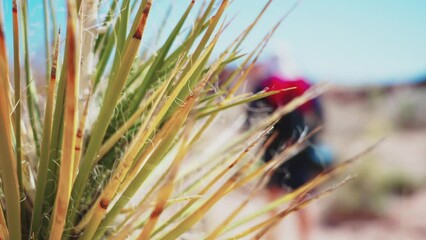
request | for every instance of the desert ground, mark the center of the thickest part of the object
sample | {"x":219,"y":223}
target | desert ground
{"x":387,"y":199}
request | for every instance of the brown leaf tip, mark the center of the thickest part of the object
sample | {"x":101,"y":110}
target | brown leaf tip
{"x":139,"y":30}
{"x":104,"y":204}
{"x":79,"y":133}
{"x":14,"y":7}
{"x":157,"y":212}
{"x":147,"y":7}
{"x":53,"y":73}
{"x":138,"y":34}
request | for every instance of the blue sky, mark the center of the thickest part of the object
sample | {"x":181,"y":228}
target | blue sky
{"x":350,"y":41}
{"x":343,"y":41}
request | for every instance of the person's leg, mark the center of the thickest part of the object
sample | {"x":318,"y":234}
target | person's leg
{"x":300,"y":171}
{"x":273,"y":193}
{"x":304,"y":224}
{"x":303,"y":219}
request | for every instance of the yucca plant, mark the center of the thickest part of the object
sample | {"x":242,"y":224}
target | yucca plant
{"x":146,"y":112}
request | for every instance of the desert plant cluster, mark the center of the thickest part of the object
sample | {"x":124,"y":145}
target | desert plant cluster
{"x":63,"y":177}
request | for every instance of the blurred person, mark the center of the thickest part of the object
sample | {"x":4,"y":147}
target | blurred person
{"x":307,"y":163}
